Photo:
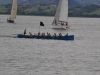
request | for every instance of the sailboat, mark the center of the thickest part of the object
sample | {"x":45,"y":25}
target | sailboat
{"x":61,"y":17}
{"x":13,"y":12}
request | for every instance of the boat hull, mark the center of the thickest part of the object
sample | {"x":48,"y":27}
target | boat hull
{"x":69,"y":37}
{"x":10,"y":21}
{"x":59,"y":27}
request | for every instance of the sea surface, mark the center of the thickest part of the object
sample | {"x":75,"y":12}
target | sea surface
{"x":49,"y":57}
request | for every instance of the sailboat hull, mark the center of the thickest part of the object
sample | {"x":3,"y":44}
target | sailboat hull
{"x":59,"y":27}
{"x":69,"y":37}
{"x":10,"y":21}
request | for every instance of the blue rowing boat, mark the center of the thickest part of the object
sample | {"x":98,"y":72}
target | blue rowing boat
{"x":68,"y":37}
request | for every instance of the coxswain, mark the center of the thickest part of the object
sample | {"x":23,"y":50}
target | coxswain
{"x":24,"y":31}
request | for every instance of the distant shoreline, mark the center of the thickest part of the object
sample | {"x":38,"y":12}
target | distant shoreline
{"x":53,"y":16}
{"x":92,"y":11}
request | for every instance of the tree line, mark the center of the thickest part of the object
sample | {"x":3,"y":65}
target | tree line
{"x":86,"y":11}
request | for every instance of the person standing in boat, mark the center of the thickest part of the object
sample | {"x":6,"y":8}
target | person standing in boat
{"x":24,"y":31}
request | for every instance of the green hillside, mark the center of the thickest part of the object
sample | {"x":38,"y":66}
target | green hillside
{"x":87,"y":2}
{"x":87,"y":11}
{"x":37,"y":10}
{"x":96,"y":12}
{"x":3,"y":9}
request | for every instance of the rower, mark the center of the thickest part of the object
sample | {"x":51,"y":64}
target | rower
{"x":60,"y":34}
{"x":43,"y":34}
{"x":54,"y":35}
{"x":38,"y":33}
{"x":48,"y":34}
{"x":66,"y":34}
{"x":30,"y":33}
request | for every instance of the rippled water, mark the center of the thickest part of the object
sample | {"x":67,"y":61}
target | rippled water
{"x":49,"y":57}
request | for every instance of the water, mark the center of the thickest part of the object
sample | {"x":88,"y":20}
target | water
{"x":49,"y":57}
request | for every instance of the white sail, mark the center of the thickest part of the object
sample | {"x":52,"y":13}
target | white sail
{"x":61,"y":16}
{"x":56,"y":18}
{"x":13,"y":10}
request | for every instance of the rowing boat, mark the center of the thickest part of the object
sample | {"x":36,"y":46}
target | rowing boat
{"x":68,"y":37}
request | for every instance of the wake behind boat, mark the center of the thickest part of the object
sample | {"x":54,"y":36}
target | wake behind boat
{"x":61,"y":17}
{"x":13,"y":12}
